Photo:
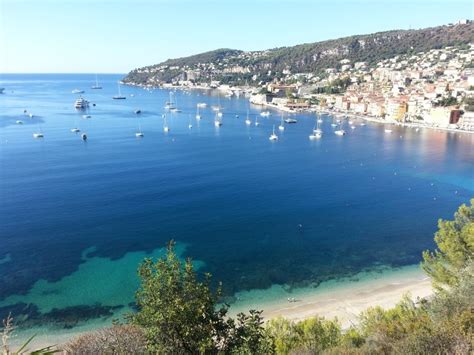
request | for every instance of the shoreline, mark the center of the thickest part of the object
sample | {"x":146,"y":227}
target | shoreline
{"x":343,"y":299}
{"x":311,"y":110}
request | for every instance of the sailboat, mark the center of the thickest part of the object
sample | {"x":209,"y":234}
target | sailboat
{"x":175,"y":107}
{"x":256,"y":121}
{"x":139,"y":134}
{"x":320,"y":120}
{"x":317,"y":132}
{"x":281,"y":127}
{"x":96,"y":86}
{"x":75,"y":129}
{"x":198,"y":115}
{"x":165,"y":125}
{"x":119,"y":96}
{"x":38,"y":134}
{"x":217,"y":120}
{"x":340,"y":131}
{"x":247,"y":121}
{"x":273,"y":136}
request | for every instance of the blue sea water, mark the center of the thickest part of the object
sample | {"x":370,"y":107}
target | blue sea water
{"x":77,"y":217}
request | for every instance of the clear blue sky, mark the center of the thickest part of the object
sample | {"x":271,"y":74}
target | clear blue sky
{"x":117,"y":35}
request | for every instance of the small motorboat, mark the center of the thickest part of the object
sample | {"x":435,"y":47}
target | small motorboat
{"x":75,"y":130}
{"x":19,"y":122}
{"x":38,"y":135}
{"x":340,"y":132}
{"x":84,"y":136}
{"x":291,"y":120}
{"x":77,"y":91}
{"x":138,"y":111}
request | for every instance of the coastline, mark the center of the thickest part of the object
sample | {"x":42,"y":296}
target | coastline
{"x":280,"y":108}
{"x":342,"y":298}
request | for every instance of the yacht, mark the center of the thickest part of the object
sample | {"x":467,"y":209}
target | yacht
{"x":273,"y":136}
{"x":80,"y":103}
{"x":265,"y":113}
{"x":291,"y":120}
{"x":77,"y":91}
{"x":119,"y":96}
{"x":96,"y":86}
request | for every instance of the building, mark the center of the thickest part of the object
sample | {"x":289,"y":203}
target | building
{"x":395,"y":109}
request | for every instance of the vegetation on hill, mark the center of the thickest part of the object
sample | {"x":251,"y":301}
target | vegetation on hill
{"x":237,"y":67}
{"x":177,"y":313}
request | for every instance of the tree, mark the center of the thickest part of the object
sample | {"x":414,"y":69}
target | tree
{"x":455,"y":241}
{"x":180,"y":314}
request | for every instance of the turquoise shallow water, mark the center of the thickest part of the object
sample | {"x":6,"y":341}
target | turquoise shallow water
{"x":77,"y":218}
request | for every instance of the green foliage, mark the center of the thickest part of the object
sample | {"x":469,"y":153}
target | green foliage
{"x":314,"y":57}
{"x":179,"y":314}
{"x":455,"y":241}
{"x":311,"y":335}
{"x":447,"y":101}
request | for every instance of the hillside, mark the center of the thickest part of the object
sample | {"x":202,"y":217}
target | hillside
{"x":236,"y":67}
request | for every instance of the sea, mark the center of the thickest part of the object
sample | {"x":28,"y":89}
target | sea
{"x":78,"y":217}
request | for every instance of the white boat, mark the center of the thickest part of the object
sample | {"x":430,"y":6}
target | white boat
{"x":273,"y":136}
{"x":256,"y":121}
{"x":202,"y":105}
{"x":291,"y":120}
{"x":353,"y":127}
{"x":265,"y":113}
{"x":198,"y":115}
{"x":75,"y":130}
{"x":340,"y":132}
{"x":84,"y":136}
{"x":86,"y":116}
{"x":247,"y":120}
{"x":281,"y":127}
{"x":362,"y":124}
{"x":351,"y":122}
{"x":38,"y":135}
{"x":139,"y":134}
{"x":80,"y":103}
{"x":19,"y":122}
{"x":417,"y":129}
{"x":77,"y":91}
{"x":96,"y":86}
{"x":165,"y":125}
{"x":388,"y":130}
{"x":219,"y":114}
{"x":317,"y":132}
{"x":31,"y":115}
{"x":119,"y":96}
{"x":137,"y":111}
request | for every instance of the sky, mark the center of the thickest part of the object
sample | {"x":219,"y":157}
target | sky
{"x":116,"y":36}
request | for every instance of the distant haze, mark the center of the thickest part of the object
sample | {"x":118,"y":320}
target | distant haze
{"x":106,"y":36}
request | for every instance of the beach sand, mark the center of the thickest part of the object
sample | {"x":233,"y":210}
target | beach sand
{"x":344,"y":299}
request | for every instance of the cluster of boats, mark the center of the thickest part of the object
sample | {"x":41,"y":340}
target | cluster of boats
{"x":172,"y":106}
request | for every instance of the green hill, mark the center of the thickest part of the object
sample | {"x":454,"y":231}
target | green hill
{"x":235,"y":66}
